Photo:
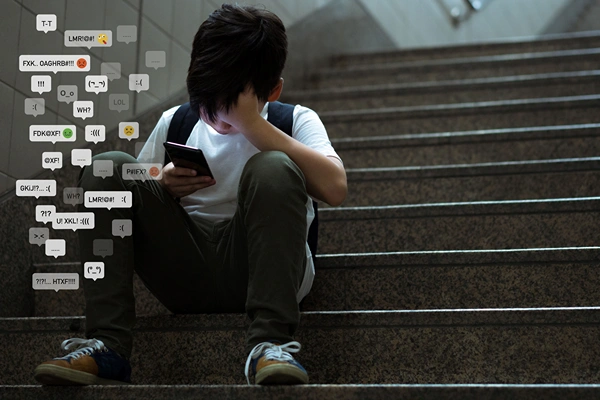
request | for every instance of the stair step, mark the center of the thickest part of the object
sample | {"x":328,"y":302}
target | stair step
{"x":459,"y":68}
{"x":569,"y":41}
{"x":514,"y":345}
{"x":441,"y":92}
{"x":549,"y":277}
{"x":535,"y":179}
{"x":480,"y":146}
{"x":468,"y":225}
{"x":307,"y":392}
{"x":462,"y":116}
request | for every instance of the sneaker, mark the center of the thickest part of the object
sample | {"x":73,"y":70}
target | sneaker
{"x":92,"y":363}
{"x":272,"y":364}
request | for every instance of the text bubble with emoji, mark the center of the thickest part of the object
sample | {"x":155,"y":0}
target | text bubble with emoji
{"x":88,"y":38}
{"x":129,"y":130}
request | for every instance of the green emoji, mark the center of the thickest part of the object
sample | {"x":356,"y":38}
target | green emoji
{"x":67,"y":133}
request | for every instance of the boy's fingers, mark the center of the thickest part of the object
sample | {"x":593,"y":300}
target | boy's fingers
{"x":181,"y":171}
{"x":187,"y":181}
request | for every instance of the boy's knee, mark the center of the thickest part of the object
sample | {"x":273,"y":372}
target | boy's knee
{"x":274,"y":168}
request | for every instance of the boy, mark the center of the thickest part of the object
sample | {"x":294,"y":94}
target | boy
{"x":235,"y":243}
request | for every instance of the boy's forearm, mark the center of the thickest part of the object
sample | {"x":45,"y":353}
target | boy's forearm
{"x":325,"y":176}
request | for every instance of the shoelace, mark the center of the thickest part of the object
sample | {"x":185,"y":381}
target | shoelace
{"x":84,"y":347}
{"x":272,"y":352}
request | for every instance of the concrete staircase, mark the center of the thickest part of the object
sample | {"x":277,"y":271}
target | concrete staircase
{"x":464,"y":263}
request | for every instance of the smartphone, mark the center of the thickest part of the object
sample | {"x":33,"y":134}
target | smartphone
{"x":188,"y":157}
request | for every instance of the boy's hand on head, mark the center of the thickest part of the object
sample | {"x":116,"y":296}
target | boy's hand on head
{"x":243,"y":115}
{"x":181,"y":182}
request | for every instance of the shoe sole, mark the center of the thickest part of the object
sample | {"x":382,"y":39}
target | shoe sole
{"x":280,"y":374}
{"x":54,"y":375}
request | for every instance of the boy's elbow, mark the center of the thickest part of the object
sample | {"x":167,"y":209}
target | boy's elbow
{"x":337,"y":193}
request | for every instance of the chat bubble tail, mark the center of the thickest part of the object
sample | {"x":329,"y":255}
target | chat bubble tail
{"x":56,"y":290}
{"x":55,"y":256}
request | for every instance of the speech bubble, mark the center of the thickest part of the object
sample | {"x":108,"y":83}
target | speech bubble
{"x":122,"y":227}
{"x":126,"y":33}
{"x":103,"y":168}
{"x":108,"y":199}
{"x":111,"y":69}
{"x":35,"y":106}
{"x":55,"y":281}
{"x":56,"y":247}
{"x":36,"y":188}
{"x":156,"y":59}
{"x":38,"y":235}
{"x":67,"y":93}
{"x":103,"y":247}
{"x":118,"y":102}
{"x":129,"y":130}
{"x":81,"y":157}
{"x":83,"y":109}
{"x":88,"y":38}
{"x":52,"y":133}
{"x":73,"y":195}
{"x":96,"y":83}
{"x":52,"y":160}
{"x":139,"y":82}
{"x":54,"y":63}
{"x":93,"y":270}
{"x":45,"y":22}
{"x":41,"y":83}
{"x":74,"y":220}
{"x":95,"y":133}
{"x":142,"y":171}
{"x":44,"y":213}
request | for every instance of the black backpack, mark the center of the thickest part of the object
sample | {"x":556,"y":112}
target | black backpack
{"x":281,"y":115}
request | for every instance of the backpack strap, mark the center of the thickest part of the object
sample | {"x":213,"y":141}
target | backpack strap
{"x":282,"y":116}
{"x":181,"y":126}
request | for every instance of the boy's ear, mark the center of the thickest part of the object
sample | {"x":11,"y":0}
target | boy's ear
{"x":276,"y":92}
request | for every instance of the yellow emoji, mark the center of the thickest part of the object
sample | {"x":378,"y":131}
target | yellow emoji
{"x":102,"y":38}
{"x":128,"y":130}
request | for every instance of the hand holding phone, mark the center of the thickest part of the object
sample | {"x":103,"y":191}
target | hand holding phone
{"x":188,"y":157}
{"x":183,"y":180}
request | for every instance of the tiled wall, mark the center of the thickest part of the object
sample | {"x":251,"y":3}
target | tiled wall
{"x":167,"y":25}
{"x":417,"y":23}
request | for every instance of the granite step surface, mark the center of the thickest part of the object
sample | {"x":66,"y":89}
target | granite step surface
{"x":308,"y":392}
{"x":452,"y":91}
{"x":544,"y":43}
{"x":514,"y":345}
{"x":468,"y":147}
{"x":568,"y":110}
{"x":477,"y":225}
{"x":543,"y":277}
{"x":458,"y":68}
{"x":534,"y":179}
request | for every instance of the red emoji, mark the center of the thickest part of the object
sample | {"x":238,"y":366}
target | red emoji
{"x":81,"y":63}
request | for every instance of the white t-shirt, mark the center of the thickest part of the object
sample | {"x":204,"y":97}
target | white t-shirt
{"x":227,"y":155}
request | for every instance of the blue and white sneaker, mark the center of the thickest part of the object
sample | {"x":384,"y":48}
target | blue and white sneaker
{"x":272,"y":364}
{"x":92,"y":363}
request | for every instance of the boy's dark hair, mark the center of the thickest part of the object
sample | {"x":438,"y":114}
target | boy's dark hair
{"x":236,"y":46}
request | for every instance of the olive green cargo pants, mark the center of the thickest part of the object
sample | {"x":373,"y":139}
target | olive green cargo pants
{"x":253,"y":263}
